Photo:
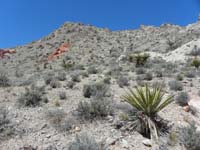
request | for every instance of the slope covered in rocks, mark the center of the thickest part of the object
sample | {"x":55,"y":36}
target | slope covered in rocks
{"x":97,"y":69}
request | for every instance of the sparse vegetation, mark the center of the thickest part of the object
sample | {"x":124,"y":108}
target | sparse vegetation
{"x":182,"y":98}
{"x":140,"y":70}
{"x":6,"y":128}
{"x":147,"y":103}
{"x":32,"y":97}
{"x":179,"y":77}
{"x":123,"y":81}
{"x":70,"y":84}
{"x":4,"y":81}
{"x":195,"y":51}
{"x":62,"y":76}
{"x":95,"y":108}
{"x":190,"y":137}
{"x":92,"y":70}
{"x":62,"y":95}
{"x":175,"y":85}
{"x":48,"y":78}
{"x":57,"y":118}
{"x":86,"y":142}
{"x":98,"y":89}
{"x":75,"y":77}
{"x":55,"y":83}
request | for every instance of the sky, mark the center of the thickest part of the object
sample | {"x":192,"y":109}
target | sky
{"x":22,"y":21}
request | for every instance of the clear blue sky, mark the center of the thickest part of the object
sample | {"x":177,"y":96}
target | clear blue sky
{"x":22,"y":21}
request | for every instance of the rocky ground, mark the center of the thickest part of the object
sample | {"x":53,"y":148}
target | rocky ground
{"x":51,"y":120}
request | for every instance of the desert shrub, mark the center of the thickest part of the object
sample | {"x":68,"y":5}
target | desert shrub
{"x":106,"y":80}
{"x":95,"y":108}
{"x":140,"y":80}
{"x":48,"y":78}
{"x":75,"y":77}
{"x":32,"y":97}
{"x":18,"y":73}
{"x":67,"y":65}
{"x":173,"y":44}
{"x":6,"y":127}
{"x":70,"y":84}
{"x":195,"y":51}
{"x":195,"y":62}
{"x":57,"y":118}
{"x":84,"y":74}
{"x":158,"y":73}
{"x":61,"y":76}
{"x":79,"y":67}
{"x":98,"y":89}
{"x":148,"y":76}
{"x":190,"y":137}
{"x":182,"y":98}
{"x":175,"y":85}
{"x":114,"y":70}
{"x":92,"y":70}
{"x":179,"y":77}
{"x":85,"y":142}
{"x":4,"y":80}
{"x":62,"y":95}
{"x":123,"y":81}
{"x":190,"y":73}
{"x":158,"y":84}
{"x":169,"y":68}
{"x":147,"y":104}
{"x":139,"y":59}
{"x":55,"y":83}
{"x":140,"y":70}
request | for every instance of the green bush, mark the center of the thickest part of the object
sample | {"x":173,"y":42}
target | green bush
{"x":195,"y":62}
{"x":179,"y":77}
{"x":147,"y":103}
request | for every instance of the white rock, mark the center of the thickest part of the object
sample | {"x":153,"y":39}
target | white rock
{"x":124,"y":143}
{"x":147,"y":142}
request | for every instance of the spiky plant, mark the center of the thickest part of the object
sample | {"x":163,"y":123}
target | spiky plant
{"x":140,"y":59}
{"x":147,"y":103}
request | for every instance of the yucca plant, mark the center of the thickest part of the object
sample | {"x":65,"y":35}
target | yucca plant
{"x":147,"y":103}
{"x":140,"y":59}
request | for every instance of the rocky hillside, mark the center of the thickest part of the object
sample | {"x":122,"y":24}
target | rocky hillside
{"x":48,"y":105}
